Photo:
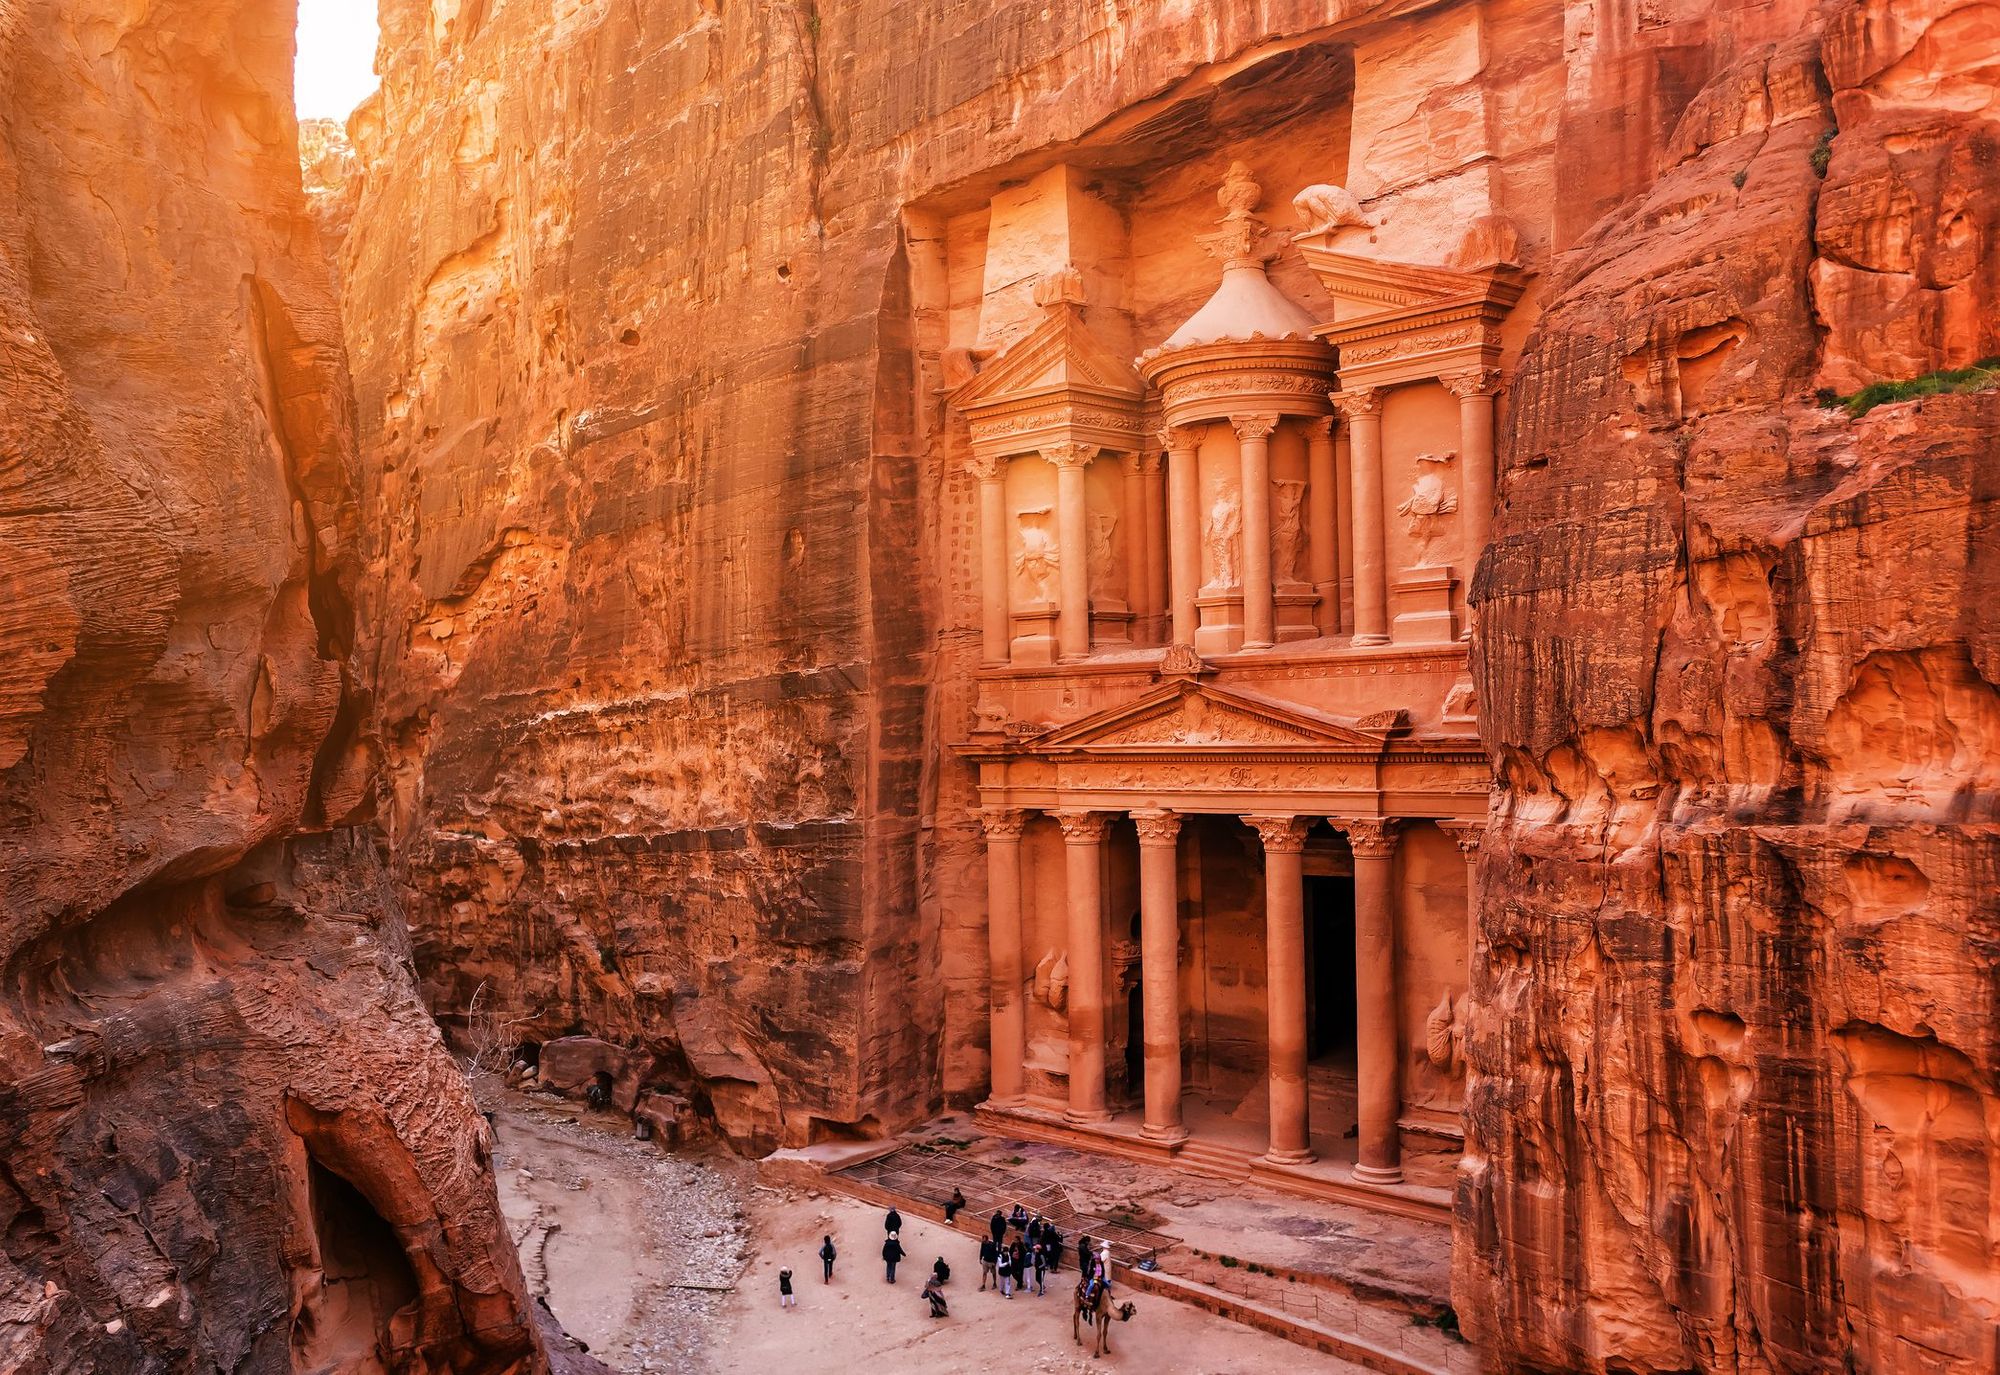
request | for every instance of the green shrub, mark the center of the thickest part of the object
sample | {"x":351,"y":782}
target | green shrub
{"x":1822,"y":153}
{"x":1981,"y":375}
{"x":1742,"y":175}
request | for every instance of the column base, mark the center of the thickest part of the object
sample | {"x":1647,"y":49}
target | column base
{"x":1371,"y":639}
{"x":1004,"y":1104}
{"x":1093,"y":1117}
{"x":1288,"y":1157}
{"x":1168,"y":1136}
{"x":1378,"y":1174}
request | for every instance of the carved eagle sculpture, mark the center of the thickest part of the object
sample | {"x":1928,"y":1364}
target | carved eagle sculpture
{"x":1324,"y":207}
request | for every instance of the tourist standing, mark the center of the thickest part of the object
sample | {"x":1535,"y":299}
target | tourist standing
{"x":893,"y":1222}
{"x":998,"y":1227}
{"x":1040,"y":1260}
{"x":786,"y":1298}
{"x":826,"y":1255}
{"x":892,"y":1251}
{"x":1052,"y":1243}
{"x":989,"y":1251}
{"x":1004,"y":1266}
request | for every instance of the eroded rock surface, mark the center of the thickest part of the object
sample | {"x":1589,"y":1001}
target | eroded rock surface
{"x":230,"y":1137}
{"x":1733,"y":1069}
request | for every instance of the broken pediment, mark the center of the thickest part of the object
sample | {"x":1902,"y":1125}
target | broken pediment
{"x":1195,"y":714}
{"x":1057,"y":384}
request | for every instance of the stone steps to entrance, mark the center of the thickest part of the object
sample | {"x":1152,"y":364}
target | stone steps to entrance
{"x":1218,"y":1161}
{"x":1379,"y":1339}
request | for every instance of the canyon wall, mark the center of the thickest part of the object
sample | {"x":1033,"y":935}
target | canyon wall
{"x":1733,"y":1101}
{"x":666,"y":661}
{"x":230,"y":1137}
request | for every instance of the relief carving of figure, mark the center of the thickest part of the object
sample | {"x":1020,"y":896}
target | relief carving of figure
{"x":1429,"y":502}
{"x":1223,"y":536}
{"x":1104,"y":566}
{"x":1052,"y":981}
{"x":1325,"y":207}
{"x":1038,"y":558}
{"x":1445,"y":1035}
{"x":1288,"y":528}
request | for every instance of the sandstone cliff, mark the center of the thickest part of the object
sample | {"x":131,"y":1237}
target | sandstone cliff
{"x":1733,"y":1074}
{"x":229,"y":1135}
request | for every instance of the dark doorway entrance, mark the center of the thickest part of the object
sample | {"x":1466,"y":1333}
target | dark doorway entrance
{"x":1330,"y":966}
{"x":1135,"y":1043}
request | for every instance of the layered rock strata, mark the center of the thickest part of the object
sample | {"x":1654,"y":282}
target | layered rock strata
{"x":230,"y":1137}
{"x":1733,"y":1089}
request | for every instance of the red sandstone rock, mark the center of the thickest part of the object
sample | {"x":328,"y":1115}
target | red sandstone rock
{"x":1733,"y":1066}
{"x":229,"y":1135}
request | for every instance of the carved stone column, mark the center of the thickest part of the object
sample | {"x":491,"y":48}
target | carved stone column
{"x":1363,"y":409}
{"x":1469,"y":835}
{"x":1073,"y":539}
{"x":1322,"y":506}
{"x":1007,"y":1000}
{"x":1378,"y":1084}
{"x":1159,"y":943}
{"x":1083,"y":848}
{"x":1475,"y":389}
{"x":1284,"y":840}
{"x":1253,"y":439}
{"x":1135,"y":543}
{"x":1153,"y":510}
{"x":995,"y":634}
{"x":1184,"y":524}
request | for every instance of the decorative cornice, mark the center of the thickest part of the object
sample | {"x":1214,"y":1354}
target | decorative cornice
{"x":1282,"y":835}
{"x":1370,"y":837}
{"x":1157,"y":827}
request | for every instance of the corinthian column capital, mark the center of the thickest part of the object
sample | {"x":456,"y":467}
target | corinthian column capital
{"x":1070,"y":455}
{"x":1157,"y":827}
{"x":1370,"y":837}
{"x":1319,"y":428}
{"x":1472,"y":382}
{"x":1468,"y":834}
{"x":1282,"y":835}
{"x":1180,"y":438}
{"x":1358,"y":403}
{"x":1082,"y":828}
{"x":1003,"y":823}
{"x":986,"y":467}
{"x":1251,"y":428}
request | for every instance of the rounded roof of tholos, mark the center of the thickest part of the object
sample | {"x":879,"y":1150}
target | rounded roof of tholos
{"x":1245,"y":307}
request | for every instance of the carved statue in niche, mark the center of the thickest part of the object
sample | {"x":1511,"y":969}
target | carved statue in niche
{"x":1105,"y":567}
{"x":1429,"y":502}
{"x":1223,"y":536}
{"x":1052,"y":981}
{"x":1444,"y":1033}
{"x":1323,"y":207}
{"x":1288,"y":528}
{"x":1062,"y":286}
{"x":1036,"y":563}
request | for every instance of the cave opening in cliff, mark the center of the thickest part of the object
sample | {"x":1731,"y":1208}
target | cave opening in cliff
{"x":365,"y":1280}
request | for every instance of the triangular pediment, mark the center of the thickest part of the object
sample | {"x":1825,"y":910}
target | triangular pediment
{"x":1363,"y":287}
{"x":1058,"y":355}
{"x":1191,"y":714}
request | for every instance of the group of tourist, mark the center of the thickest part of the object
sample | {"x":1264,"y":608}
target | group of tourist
{"x":1007,"y":1264}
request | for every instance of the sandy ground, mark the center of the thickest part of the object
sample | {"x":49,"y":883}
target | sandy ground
{"x":670,"y":1264}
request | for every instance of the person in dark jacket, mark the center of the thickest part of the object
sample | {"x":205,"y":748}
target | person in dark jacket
{"x":1040,"y":1259}
{"x":826,"y":1255}
{"x":894,"y":1221}
{"x":1052,"y":1243}
{"x":998,"y":1227}
{"x":786,"y":1298}
{"x":940,"y":1272}
{"x":952,"y":1205}
{"x":989,"y":1252}
{"x":892,"y":1251}
{"x":1035,"y":1229}
{"x":1005,"y":1266}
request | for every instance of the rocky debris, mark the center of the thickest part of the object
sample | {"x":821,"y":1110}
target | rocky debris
{"x":232,"y":1139}
{"x":1733,"y":1064}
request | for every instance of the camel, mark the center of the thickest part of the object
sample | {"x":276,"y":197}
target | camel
{"x":1093,"y":1303}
